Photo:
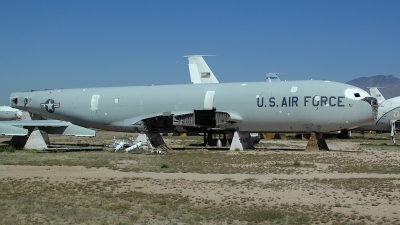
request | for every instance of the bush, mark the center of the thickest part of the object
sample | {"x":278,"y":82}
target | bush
{"x":164,"y":166}
{"x":338,"y":205}
{"x":8,"y":148}
{"x":296,"y":163}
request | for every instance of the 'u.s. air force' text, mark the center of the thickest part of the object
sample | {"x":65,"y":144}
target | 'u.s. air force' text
{"x":293,"y":101}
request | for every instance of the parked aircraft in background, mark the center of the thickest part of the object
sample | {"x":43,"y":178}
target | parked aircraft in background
{"x":8,"y":113}
{"x":199,"y":71}
{"x":388,"y":118}
{"x":376,"y":94}
{"x":272,"y":77}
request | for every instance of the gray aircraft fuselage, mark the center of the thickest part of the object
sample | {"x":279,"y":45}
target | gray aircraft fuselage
{"x":287,"y":106}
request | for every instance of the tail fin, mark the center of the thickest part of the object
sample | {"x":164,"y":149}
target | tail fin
{"x":376,"y":94}
{"x":199,"y":70}
{"x":272,"y":77}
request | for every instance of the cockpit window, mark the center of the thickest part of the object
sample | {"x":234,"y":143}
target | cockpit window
{"x":357,"y":95}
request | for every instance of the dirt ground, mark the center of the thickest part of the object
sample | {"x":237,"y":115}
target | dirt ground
{"x":332,"y":191}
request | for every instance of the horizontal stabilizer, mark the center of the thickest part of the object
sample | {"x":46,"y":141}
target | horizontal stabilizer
{"x":71,"y":129}
{"x":12,"y":130}
{"x":79,"y":131}
{"x":49,"y":126}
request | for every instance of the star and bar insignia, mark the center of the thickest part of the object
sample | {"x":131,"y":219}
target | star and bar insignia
{"x":50,"y":105}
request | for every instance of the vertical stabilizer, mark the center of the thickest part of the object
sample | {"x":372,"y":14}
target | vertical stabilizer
{"x":376,"y":94}
{"x":199,"y":70}
{"x":272,"y":77}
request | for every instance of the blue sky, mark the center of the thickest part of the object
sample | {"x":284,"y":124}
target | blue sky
{"x":74,"y":44}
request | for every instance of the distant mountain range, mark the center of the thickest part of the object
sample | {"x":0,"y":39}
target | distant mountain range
{"x":388,"y":85}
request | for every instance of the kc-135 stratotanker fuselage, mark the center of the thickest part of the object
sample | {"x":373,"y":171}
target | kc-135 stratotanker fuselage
{"x":289,"y":106}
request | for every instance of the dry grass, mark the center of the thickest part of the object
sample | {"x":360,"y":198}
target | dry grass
{"x":87,"y":200}
{"x":203,"y":161}
{"x":36,"y":201}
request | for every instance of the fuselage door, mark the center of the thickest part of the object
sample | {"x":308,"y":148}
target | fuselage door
{"x":94,"y":104}
{"x":209,"y":100}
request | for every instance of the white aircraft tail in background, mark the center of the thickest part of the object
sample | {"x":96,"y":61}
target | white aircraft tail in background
{"x":272,"y":77}
{"x":199,"y":70}
{"x":376,"y":94}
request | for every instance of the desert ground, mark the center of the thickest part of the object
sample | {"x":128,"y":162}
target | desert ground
{"x":356,"y":182}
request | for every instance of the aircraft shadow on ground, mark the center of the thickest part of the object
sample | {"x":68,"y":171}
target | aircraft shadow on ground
{"x":227,"y":149}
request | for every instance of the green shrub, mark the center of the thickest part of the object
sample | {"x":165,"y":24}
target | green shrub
{"x":8,"y":148}
{"x":164,"y":166}
{"x":296,"y":163}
